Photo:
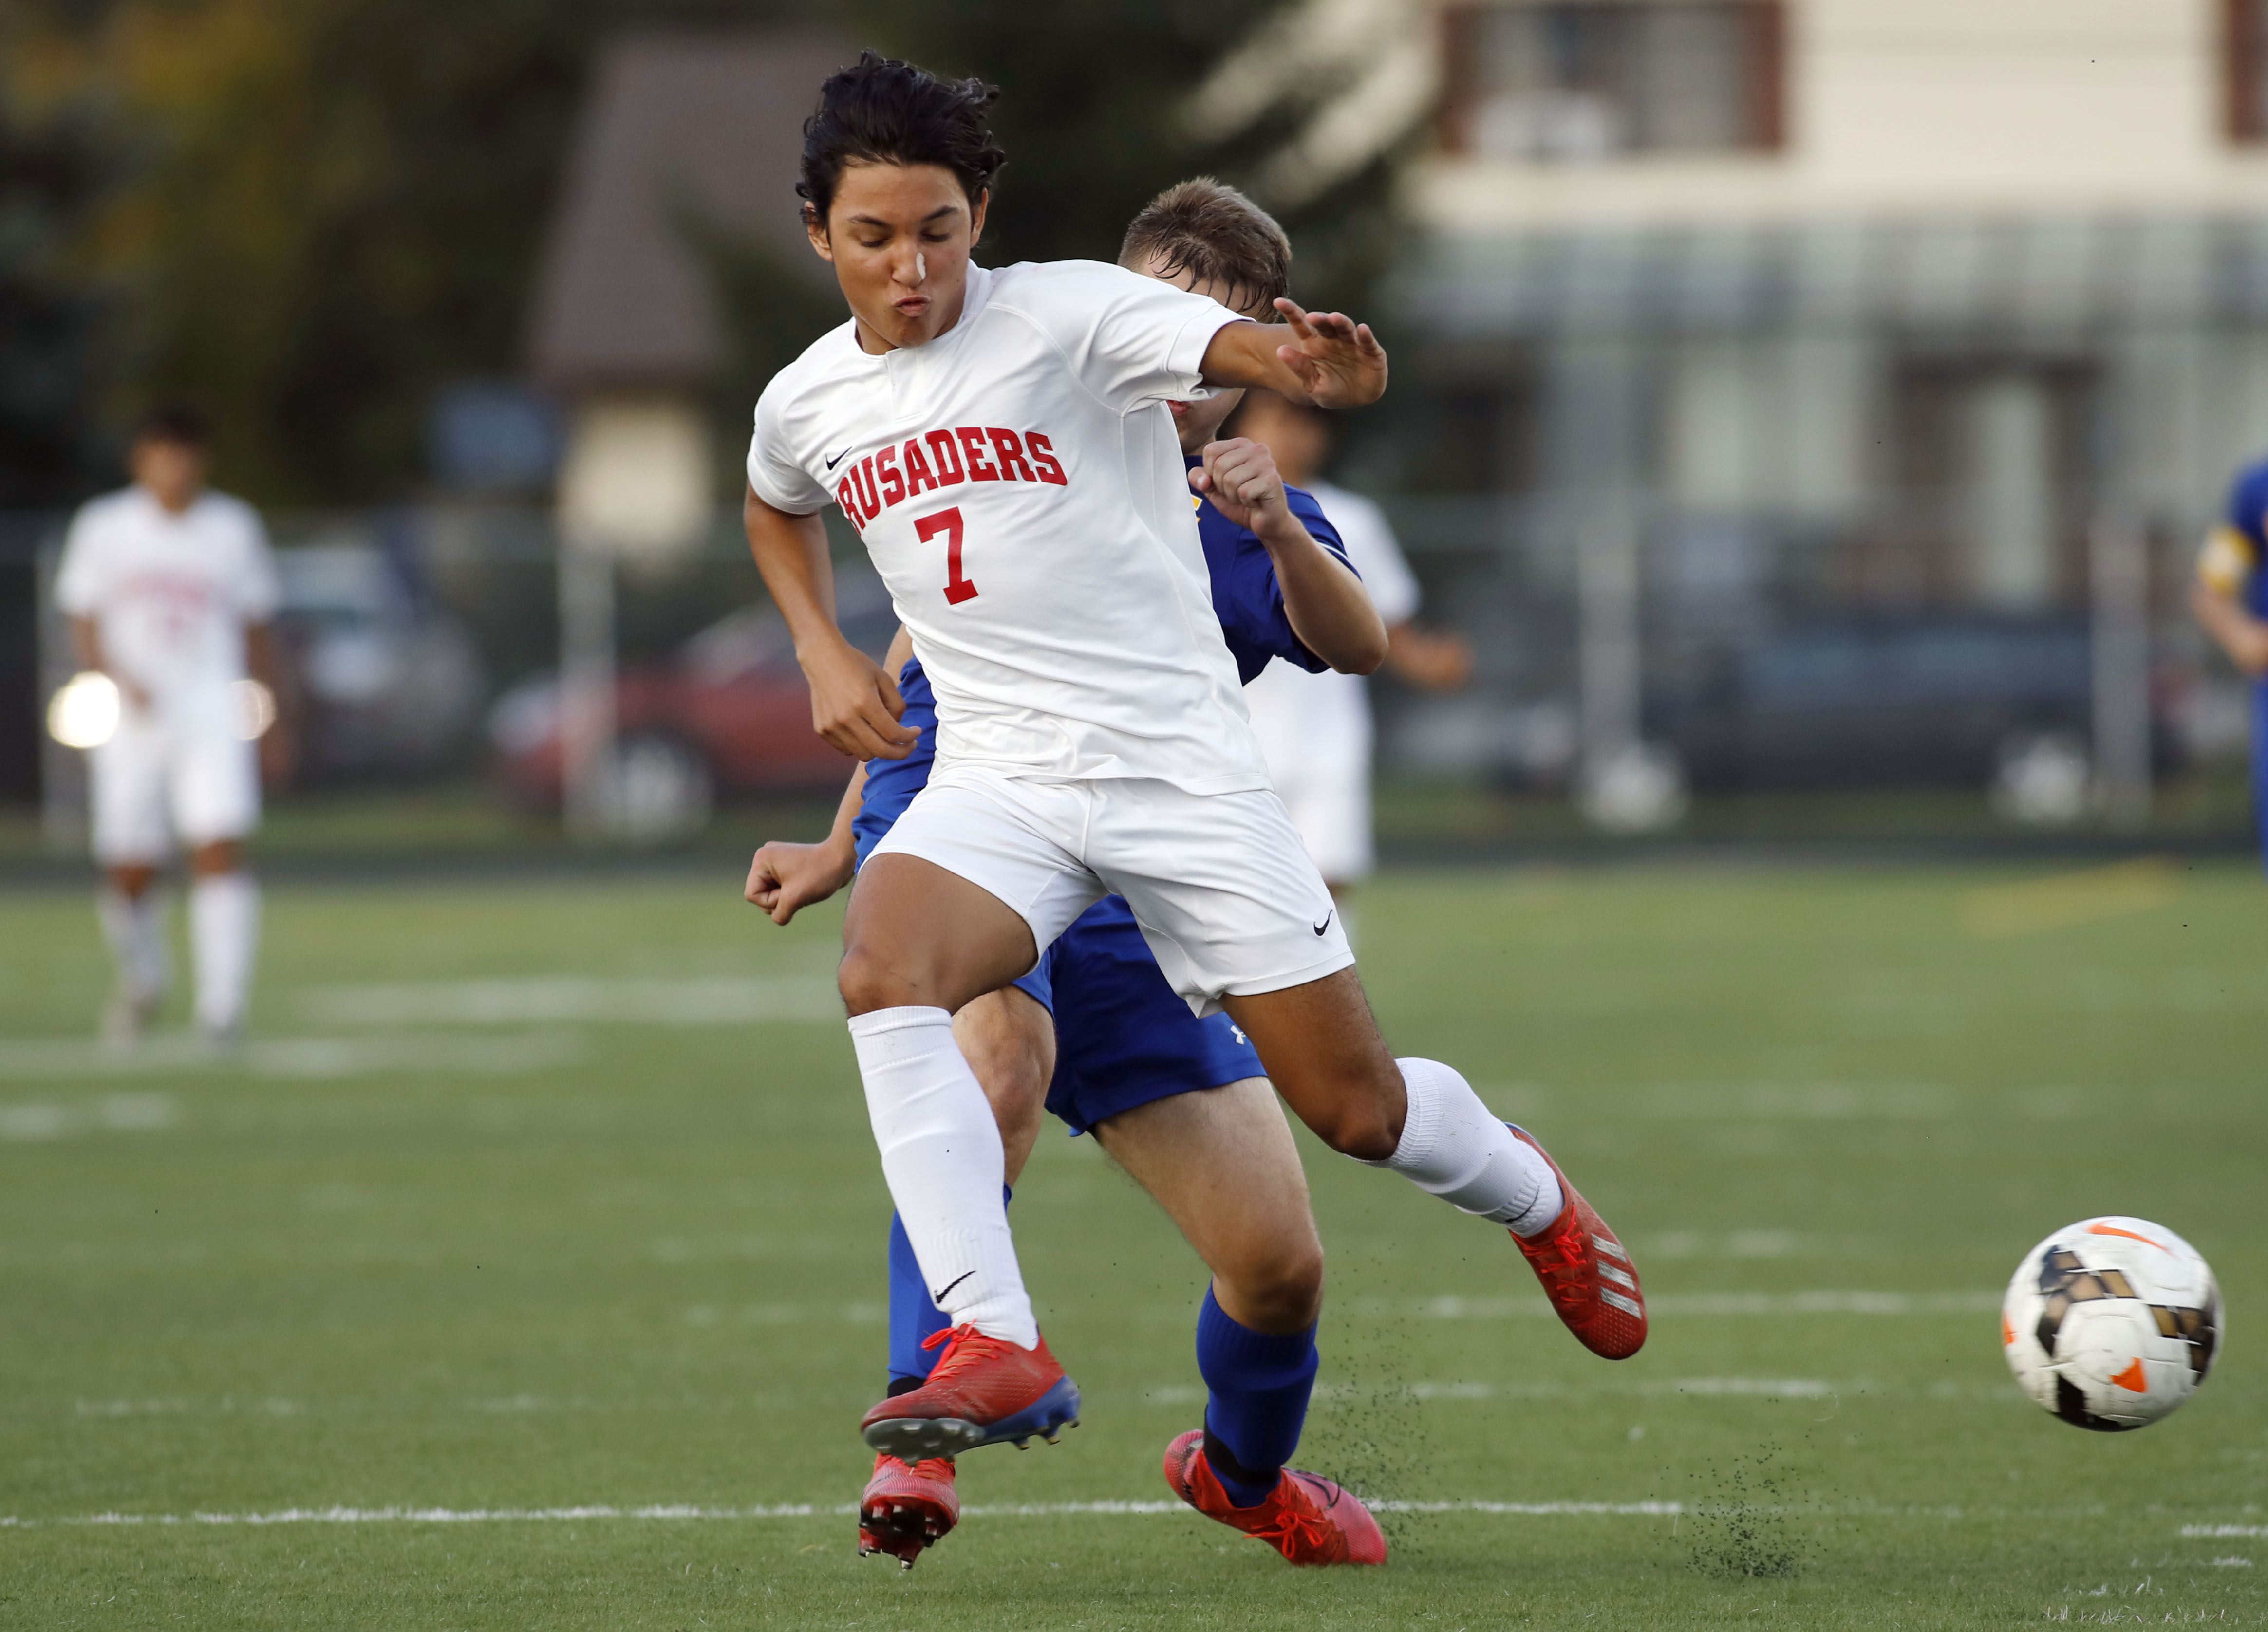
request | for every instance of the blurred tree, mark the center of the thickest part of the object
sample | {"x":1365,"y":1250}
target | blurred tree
{"x":311,"y":213}
{"x":1096,"y":114}
{"x":52,"y":174}
{"x":1093,"y":114}
{"x":328,"y":209}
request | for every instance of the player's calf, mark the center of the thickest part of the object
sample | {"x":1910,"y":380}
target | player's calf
{"x":1324,"y":1053}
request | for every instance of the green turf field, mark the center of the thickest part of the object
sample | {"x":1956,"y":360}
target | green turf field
{"x":514,"y":1219}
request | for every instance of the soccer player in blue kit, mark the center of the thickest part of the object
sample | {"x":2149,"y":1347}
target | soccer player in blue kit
{"x":2230,"y":600}
{"x":1002,"y":441}
{"x":1221,"y":1161}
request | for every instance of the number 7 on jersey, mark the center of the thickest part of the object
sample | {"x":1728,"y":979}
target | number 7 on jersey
{"x":957,"y":589}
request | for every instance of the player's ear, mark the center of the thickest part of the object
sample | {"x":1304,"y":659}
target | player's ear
{"x":815,"y":228}
{"x":976,"y":215}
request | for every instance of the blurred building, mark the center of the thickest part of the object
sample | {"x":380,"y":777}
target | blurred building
{"x":1729,"y":319}
{"x":685,"y":137}
{"x":1945,"y":275}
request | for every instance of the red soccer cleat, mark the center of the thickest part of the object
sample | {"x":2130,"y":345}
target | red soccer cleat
{"x":984,"y":1391}
{"x":1307,"y":1518}
{"x":1591,"y":1280}
{"x":903,"y":1509}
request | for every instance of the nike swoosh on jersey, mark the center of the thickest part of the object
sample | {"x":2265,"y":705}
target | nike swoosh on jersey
{"x":1326,"y":924}
{"x":839,"y":458}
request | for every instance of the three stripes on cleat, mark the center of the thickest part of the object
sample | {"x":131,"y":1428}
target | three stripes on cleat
{"x":1606,"y":1249}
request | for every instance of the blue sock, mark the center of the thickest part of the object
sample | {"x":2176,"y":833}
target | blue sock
{"x":1258,"y":1384}
{"x":913,"y":1317}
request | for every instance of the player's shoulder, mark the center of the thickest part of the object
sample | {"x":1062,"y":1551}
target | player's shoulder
{"x":1050,"y":290}
{"x":226,"y":509}
{"x":2249,"y":488}
{"x":106,"y":510}
{"x":1030,"y":278}
{"x":825,"y":359}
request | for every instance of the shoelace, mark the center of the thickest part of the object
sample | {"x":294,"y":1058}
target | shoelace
{"x":960,"y":1346}
{"x":1295,"y":1524}
{"x":1569,"y":1276}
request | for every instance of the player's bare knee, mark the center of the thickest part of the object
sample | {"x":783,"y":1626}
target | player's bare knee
{"x":1367,"y":1132}
{"x":869,"y":982}
{"x":1280,"y":1288}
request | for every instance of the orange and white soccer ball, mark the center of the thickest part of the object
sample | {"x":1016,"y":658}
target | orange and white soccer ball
{"x":2112,"y":1323}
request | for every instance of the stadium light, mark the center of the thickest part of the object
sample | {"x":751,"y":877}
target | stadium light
{"x":255,"y":708}
{"x":84,"y":714}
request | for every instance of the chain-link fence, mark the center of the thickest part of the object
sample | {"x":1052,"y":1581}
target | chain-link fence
{"x":1629,"y":657}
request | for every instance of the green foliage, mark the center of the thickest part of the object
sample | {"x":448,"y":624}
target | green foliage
{"x":52,"y":172}
{"x":1091,"y":116}
{"x":312,"y":214}
{"x":325,"y":209}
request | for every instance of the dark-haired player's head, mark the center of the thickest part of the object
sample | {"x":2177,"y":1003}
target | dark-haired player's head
{"x":897,"y":170}
{"x":1211,"y":239}
{"x":168,"y":458}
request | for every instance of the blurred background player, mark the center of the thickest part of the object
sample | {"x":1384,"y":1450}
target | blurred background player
{"x":169,"y":589}
{"x":1315,"y":729}
{"x":2231,"y":600}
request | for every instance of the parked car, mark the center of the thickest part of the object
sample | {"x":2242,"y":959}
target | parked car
{"x":387,"y":685}
{"x":728,"y":713}
{"x":1886,"y":701}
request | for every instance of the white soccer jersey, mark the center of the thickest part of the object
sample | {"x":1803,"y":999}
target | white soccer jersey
{"x":1021,"y":489}
{"x":171,"y":595}
{"x":1317,"y":727}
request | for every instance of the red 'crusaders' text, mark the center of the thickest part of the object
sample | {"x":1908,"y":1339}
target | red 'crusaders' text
{"x":936,"y":459}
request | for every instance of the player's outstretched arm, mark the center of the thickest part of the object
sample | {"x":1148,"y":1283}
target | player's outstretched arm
{"x":854,"y":704}
{"x":784,"y":878}
{"x":2238,"y":632}
{"x":1323,"y":358}
{"x":86,"y":652}
{"x":1329,"y":609}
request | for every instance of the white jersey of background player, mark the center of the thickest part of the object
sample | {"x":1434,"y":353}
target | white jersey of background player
{"x":1315,"y":729}
{"x":169,"y":589}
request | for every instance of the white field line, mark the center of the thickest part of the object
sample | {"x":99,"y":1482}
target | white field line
{"x":598,"y":1000}
{"x":284,"y":1058}
{"x":1524,"y":1305}
{"x":679,"y":1513}
{"x":790,"y":1510}
{"x":1530,"y":1306}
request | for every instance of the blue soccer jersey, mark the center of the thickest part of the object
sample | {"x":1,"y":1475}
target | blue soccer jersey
{"x":1123,"y":1036}
{"x":2245,"y":529}
{"x":2247,"y":518}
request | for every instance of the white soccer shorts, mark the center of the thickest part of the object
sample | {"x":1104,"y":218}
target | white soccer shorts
{"x":1331,"y":809}
{"x":150,"y":784}
{"x":1220,"y":882}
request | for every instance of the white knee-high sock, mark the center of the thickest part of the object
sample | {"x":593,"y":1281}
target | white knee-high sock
{"x":225,"y":933}
{"x":1455,"y":1147}
{"x":942,"y":1156}
{"x":135,"y":931}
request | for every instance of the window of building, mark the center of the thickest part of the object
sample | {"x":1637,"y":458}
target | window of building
{"x":2244,"y":69}
{"x":1995,"y":460}
{"x":1573,"y":80}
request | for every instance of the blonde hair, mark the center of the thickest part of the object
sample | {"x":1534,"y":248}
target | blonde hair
{"x":1217,"y":235}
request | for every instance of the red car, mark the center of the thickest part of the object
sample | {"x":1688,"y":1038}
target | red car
{"x":729,"y":713}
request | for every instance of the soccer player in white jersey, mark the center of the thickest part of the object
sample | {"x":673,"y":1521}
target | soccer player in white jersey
{"x":169,"y":589}
{"x":1000,"y":439}
{"x":1315,"y":729}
